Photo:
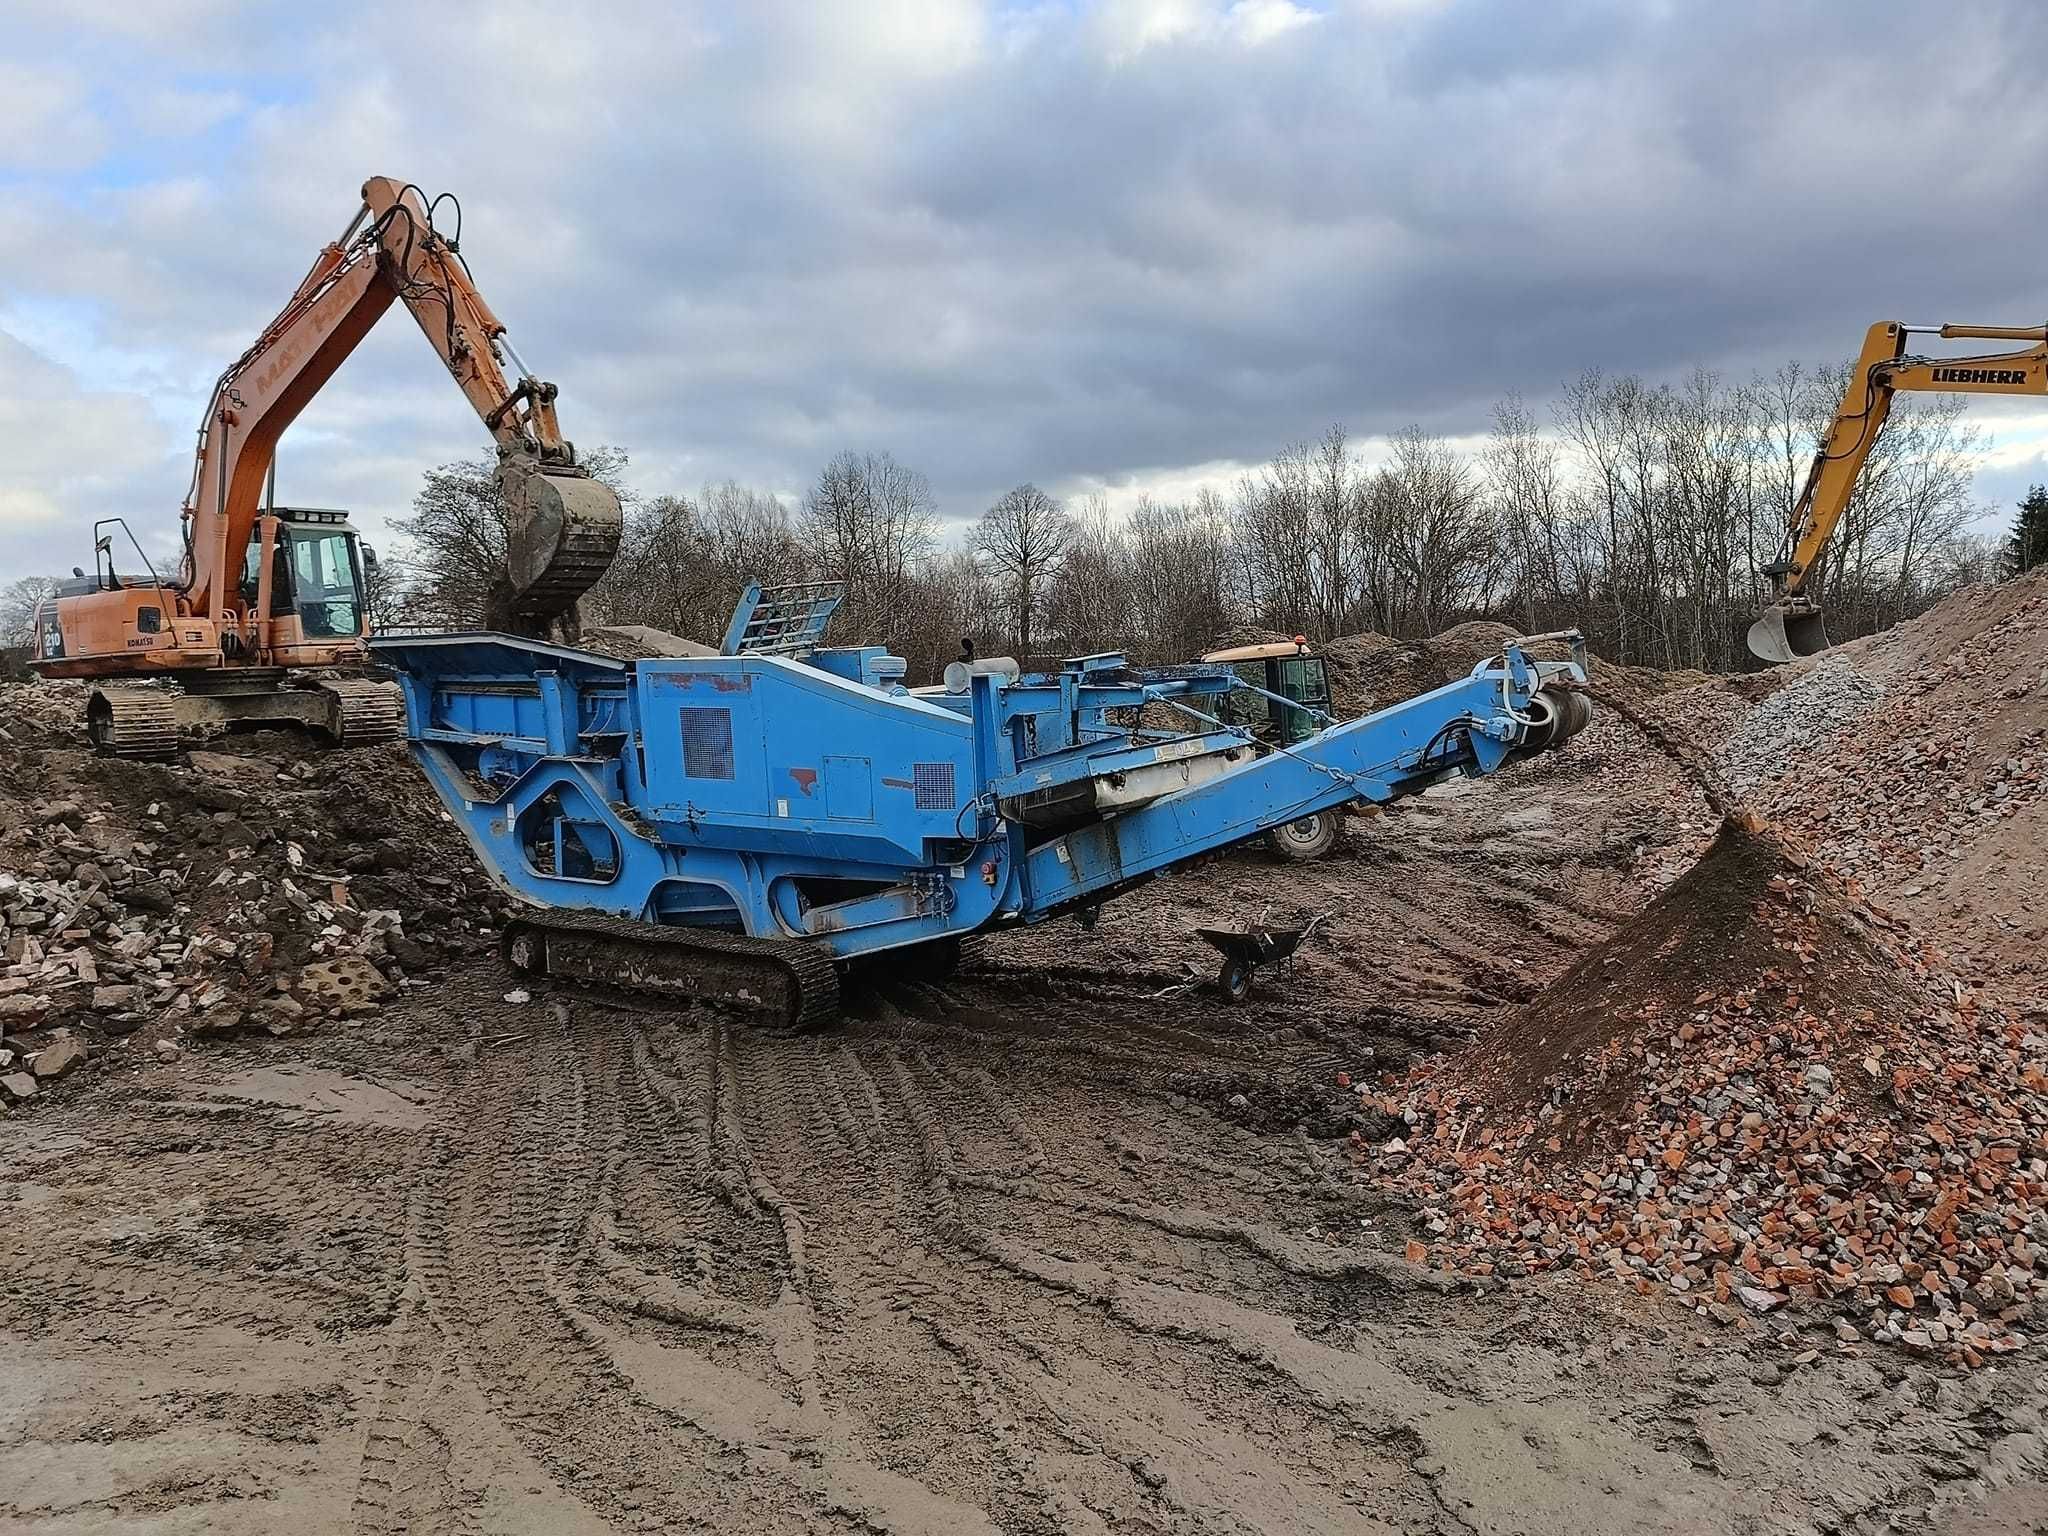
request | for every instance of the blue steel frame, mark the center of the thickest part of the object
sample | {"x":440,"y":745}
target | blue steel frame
{"x":791,"y":799}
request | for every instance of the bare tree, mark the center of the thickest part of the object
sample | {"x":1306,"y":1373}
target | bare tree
{"x":1180,"y":576}
{"x":1024,"y":537}
{"x":682,"y":563}
{"x":18,"y":602}
{"x":1089,"y":598}
{"x":1440,"y":541}
{"x":871,"y":523}
{"x":387,"y":589}
{"x":1531,"y":511}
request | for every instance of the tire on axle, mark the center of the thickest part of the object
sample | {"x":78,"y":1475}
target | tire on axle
{"x":1306,"y":837}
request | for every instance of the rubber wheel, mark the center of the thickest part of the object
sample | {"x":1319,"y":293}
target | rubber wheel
{"x":1234,"y":981}
{"x":1305,"y":838}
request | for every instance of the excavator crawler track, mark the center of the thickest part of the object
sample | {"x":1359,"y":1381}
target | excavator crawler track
{"x":793,"y":985}
{"x":133,"y":722}
{"x":365,"y":711}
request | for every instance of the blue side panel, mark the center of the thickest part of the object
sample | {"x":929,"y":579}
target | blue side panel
{"x":850,"y":788}
{"x":827,"y":764}
{"x":705,"y":752}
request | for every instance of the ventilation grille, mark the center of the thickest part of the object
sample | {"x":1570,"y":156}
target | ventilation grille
{"x":707,"y":743}
{"x":933,"y":786}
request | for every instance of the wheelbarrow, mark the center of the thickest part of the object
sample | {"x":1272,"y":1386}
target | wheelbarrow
{"x":1244,"y":950}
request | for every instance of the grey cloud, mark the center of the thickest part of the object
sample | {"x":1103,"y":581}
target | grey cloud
{"x":739,"y":242}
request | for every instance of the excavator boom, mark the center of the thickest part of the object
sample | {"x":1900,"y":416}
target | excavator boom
{"x":263,"y":589}
{"x":1792,"y":625}
{"x":564,"y":526}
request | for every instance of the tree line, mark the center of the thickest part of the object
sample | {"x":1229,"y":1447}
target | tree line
{"x":1641,"y":512}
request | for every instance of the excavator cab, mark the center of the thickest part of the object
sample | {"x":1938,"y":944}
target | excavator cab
{"x":1788,"y":629}
{"x":316,"y":578}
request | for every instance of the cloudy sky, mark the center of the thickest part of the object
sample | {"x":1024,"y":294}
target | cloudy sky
{"x":1126,"y":246}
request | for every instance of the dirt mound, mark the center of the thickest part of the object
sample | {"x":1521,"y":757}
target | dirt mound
{"x":219,"y":893}
{"x":1749,"y":927}
{"x":1754,"y":1091}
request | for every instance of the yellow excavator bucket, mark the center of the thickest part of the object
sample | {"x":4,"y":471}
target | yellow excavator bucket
{"x":1787,"y":630}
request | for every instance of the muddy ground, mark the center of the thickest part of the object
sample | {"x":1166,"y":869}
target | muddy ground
{"x":1060,"y":1244}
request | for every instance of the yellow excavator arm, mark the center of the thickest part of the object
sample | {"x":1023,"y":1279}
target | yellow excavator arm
{"x":1792,"y":624}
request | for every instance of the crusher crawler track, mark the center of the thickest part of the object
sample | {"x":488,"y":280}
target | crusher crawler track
{"x":139,"y":723}
{"x":365,"y":712}
{"x":794,"y":984}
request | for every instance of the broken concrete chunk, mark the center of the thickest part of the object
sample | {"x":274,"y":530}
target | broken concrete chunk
{"x":56,"y":1060}
{"x":22,"y":1009}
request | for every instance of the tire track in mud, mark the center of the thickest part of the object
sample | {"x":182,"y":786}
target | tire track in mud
{"x":1068,"y":1373}
{"x":973,"y":1261}
{"x":520,"y":1212}
{"x":404,"y":1483}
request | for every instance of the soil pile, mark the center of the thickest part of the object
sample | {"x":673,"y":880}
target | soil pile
{"x":261,"y":883}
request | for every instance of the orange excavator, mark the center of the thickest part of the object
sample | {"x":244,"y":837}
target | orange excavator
{"x":266,"y":614}
{"x":1792,"y":625}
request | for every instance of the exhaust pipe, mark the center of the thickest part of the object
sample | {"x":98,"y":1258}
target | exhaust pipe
{"x":1788,"y":630}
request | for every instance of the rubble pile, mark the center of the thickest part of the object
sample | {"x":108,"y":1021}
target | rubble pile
{"x":1956,"y":755}
{"x":1773,"y":1085}
{"x":1756,"y":1091}
{"x":267,"y":884}
{"x":1809,"y":712}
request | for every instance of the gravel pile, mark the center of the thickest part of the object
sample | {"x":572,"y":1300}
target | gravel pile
{"x":1810,"y":713}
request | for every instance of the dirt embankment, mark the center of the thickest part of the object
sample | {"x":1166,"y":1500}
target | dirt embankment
{"x":260,"y":883}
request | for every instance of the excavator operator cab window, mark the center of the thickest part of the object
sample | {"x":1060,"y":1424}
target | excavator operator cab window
{"x":324,"y":581}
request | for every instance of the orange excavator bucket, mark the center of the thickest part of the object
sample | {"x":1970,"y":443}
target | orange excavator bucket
{"x":1787,"y":630}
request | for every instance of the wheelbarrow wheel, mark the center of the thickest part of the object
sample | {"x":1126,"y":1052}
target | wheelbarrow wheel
{"x":1305,"y":838}
{"x":1235,"y":980}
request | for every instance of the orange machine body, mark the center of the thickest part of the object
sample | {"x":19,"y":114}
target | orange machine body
{"x":266,"y":588}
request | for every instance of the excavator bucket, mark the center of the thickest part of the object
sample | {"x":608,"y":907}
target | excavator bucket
{"x":562,"y":532}
{"x":1786,"y":631}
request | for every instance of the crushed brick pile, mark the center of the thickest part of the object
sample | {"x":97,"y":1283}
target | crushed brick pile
{"x":1811,"y":1071}
{"x":1755,"y":1091}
